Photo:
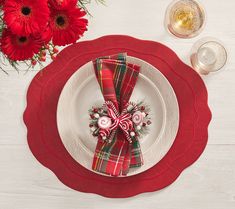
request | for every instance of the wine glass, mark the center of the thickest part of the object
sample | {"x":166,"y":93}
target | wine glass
{"x":185,"y":18}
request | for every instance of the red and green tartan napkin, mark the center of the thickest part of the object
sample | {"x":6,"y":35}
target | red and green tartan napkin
{"x":117,"y":79}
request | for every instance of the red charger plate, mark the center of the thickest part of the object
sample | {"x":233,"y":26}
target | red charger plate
{"x":46,"y":145}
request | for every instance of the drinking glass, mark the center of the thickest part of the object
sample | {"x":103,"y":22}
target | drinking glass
{"x":185,"y":18}
{"x":208,"y":55}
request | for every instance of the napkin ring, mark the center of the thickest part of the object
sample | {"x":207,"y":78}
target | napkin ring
{"x":133,"y":121}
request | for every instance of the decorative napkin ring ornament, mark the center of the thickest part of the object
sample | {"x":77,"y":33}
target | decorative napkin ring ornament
{"x":133,"y":121}
{"x":118,"y":124}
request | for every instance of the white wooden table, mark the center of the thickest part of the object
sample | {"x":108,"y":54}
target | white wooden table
{"x":209,"y":183}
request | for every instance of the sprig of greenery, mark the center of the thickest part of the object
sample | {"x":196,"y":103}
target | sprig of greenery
{"x":83,"y":4}
{"x":17,"y":65}
{"x":2,"y":25}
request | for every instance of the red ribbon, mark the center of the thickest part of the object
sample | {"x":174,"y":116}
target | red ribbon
{"x":122,"y":121}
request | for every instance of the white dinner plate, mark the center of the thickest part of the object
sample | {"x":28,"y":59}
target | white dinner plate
{"x":82,"y":91}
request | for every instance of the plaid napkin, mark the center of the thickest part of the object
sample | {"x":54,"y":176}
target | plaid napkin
{"x":117,"y":79}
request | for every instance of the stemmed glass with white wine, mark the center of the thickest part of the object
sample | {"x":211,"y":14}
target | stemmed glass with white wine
{"x":185,"y":18}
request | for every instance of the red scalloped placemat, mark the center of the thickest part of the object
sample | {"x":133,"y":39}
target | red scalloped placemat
{"x":46,"y":145}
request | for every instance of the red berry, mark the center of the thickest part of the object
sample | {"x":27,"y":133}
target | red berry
{"x":47,"y":46}
{"x":43,"y":59}
{"x":55,"y":50}
{"x":53,"y":57}
{"x":92,"y":116}
{"x":149,"y":122}
{"x":142,"y":108}
{"x":90,"y":125}
{"x":95,"y":110}
{"x":144,"y":124}
{"x":33,"y":62}
{"x":43,"y":53}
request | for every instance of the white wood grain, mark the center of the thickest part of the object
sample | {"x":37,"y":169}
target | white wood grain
{"x":209,"y":183}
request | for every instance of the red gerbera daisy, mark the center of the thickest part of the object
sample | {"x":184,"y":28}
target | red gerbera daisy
{"x":62,"y":3}
{"x":46,"y":35}
{"x":19,"y":47}
{"x":25,"y":17}
{"x":66,"y":22}
{"x":1,"y":2}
